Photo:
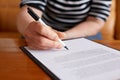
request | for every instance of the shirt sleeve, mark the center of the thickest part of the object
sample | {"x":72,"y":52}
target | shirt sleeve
{"x":100,"y":8}
{"x":39,"y":4}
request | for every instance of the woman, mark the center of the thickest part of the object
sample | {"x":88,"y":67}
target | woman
{"x":66,"y":19}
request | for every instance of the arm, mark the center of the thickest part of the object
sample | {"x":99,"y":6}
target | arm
{"x":24,"y":19}
{"x":88,"y":28}
{"x":97,"y":16}
{"x":37,"y":35}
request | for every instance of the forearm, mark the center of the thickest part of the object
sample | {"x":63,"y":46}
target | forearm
{"x":88,"y":28}
{"x":24,"y":19}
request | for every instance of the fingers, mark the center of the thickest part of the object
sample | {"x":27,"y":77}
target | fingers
{"x":38,"y":36}
{"x":42,"y":43}
{"x":46,"y":31}
{"x":61,"y":35}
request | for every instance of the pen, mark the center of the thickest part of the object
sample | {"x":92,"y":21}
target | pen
{"x":37,"y":18}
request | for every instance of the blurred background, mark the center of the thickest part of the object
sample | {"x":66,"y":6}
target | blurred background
{"x":10,"y":8}
{"x":8,"y":13}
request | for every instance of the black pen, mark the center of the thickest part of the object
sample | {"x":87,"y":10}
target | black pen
{"x":37,"y":18}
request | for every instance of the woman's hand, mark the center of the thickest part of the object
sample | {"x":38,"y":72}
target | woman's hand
{"x":39,"y":36}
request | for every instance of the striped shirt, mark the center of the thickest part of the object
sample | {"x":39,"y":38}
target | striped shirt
{"x":65,"y":14}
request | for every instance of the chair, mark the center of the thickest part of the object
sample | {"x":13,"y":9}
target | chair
{"x":117,"y":22}
{"x":108,"y":29}
{"x":8,"y":12}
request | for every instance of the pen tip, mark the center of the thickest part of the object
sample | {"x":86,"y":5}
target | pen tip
{"x":66,"y":47}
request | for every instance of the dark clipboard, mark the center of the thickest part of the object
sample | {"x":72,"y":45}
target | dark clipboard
{"x":42,"y":66}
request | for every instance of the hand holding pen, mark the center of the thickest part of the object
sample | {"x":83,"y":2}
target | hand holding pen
{"x":38,"y":36}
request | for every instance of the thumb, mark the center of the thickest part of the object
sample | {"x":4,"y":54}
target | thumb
{"x":61,"y":35}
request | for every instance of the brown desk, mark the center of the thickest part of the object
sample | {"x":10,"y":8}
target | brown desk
{"x":15,"y":65}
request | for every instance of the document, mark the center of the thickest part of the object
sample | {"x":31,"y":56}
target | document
{"x":85,"y":60}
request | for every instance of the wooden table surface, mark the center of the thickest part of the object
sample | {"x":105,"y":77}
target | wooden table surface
{"x":16,"y":65}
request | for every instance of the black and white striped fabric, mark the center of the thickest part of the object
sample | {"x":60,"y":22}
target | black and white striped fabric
{"x":65,"y":14}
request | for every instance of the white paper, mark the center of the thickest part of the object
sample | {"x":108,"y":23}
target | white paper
{"x":85,"y":60}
